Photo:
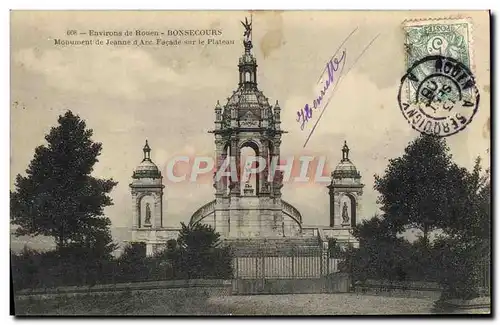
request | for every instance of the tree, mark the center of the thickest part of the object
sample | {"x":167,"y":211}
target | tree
{"x":198,"y":237}
{"x":463,"y":251}
{"x":381,"y":254}
{"x":201,"y":253}
{"x":471,"y":220}
{"x":459,"y":268}
{"x":133,"y":264}
{"x":417,"y":189}
{"x":58,"y":197}
{"x":375,"y":229}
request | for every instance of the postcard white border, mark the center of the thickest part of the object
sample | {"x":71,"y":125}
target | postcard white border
{"x":186,"y":4}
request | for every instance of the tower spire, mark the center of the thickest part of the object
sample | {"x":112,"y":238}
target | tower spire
{"x":147,"y":151}
{"x":345,"y":152}
{"x":247,"y":64}
{"x":247,"y":42}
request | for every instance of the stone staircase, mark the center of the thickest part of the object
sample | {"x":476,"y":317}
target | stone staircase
{"x":274,"y":246}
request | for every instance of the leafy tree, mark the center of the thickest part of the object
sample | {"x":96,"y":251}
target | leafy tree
{"x":424,"y":188}
{"x":471,"y":220}
{"x":201,"y":253}
{"x":171,"y":245}
{"x":334,"y":250}
{"x":133,"y":252}
{"x":58,"y":197}
{"x":463,"y":252}
{"x":375,"y":229}
{"x":24,"y":267}
{"x":132,"y":264}
{"x":381,"y":254}
{"x":417,"y":189}
{"x":198,"y":237}
{"x":459,"y":267}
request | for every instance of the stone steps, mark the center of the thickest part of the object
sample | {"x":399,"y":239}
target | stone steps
{"x":286,"y":246}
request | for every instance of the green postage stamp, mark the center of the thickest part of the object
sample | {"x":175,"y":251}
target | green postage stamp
{"x":446,"y":37}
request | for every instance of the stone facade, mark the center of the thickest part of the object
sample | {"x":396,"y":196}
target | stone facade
{"x":147,"y":205}
{"x":247,"y":120}
{"x":242,"y":209}
{"x":345,"y":192}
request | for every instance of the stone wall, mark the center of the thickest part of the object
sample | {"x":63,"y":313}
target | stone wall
{"x":270,"y":246}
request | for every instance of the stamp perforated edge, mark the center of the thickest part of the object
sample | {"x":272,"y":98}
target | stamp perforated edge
{"x":435,"y":20}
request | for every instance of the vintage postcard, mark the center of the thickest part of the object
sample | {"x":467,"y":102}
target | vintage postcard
{"x":250,"y":162}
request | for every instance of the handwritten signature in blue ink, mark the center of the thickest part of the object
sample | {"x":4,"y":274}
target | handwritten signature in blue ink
{"x":334,"y":65}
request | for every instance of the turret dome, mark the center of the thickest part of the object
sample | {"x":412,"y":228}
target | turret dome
{"x":147,"y":168}
{"x":345,"y":169}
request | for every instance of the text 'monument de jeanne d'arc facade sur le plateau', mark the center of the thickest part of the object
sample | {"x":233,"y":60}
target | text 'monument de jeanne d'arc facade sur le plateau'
{"x":244,"y":213}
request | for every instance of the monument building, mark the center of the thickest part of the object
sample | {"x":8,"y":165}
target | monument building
{"x":247,"y":212}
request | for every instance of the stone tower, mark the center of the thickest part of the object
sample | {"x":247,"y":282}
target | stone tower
{"x":147,"y":200}
{"x":345,"y":192}
{"x":247,"y":120}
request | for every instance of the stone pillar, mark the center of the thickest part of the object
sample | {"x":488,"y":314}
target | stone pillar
{"x":224,"y":182}
{"x":235,"y":154}
{"x":324,"y":258}
{"x":149,"y":249}
{"x":278,"y":176}
{"x":161,"y":208}
{"x":135,"y":210}
{"x":220,"y":155}
{"x":157,"y":223}
{"x":332,"y":206}
{"x":264,"y":186}
{"x":359,"y":211}
{"x":337,"y":207}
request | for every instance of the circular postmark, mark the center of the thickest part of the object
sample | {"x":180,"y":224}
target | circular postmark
{"x":438,"y":96}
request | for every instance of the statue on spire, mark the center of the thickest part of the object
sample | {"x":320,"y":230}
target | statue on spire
{"x":345,"y":152}
{"x":248,"y":29}
{"x":147,"y":151}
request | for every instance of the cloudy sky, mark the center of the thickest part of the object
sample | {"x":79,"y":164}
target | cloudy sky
{"x":167,"y":94}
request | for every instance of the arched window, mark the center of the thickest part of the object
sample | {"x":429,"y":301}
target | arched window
{"x":247,"y":76}
{"x":248,"y":152}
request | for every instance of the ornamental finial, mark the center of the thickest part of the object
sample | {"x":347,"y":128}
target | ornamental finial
{"x":277,"y":106}
{"x":147,"y":151}
{"x":247,"y":42}
{"x":248,"y":29}
{"x":345,"y":152}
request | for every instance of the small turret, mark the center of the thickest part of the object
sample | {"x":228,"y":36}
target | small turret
{"x":218,"y":111}
{"x":218,"y":116}
{"x":277,"y":115}
{"x":345,"y":191}
{"x":147,"y":169}
{"x":345,"y":169}
{"x":146,"y":190}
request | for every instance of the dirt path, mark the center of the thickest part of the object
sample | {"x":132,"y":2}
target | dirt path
{"x":318,"y":304}
{"x":156,"y":303}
